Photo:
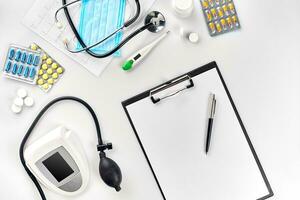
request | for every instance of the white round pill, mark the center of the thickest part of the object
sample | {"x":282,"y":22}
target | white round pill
{"x":16,"y":109}
{"x":22,"y":93}
{"x":29,"y":101}
{"x":18,"y":101}
{"x":193,"y":37}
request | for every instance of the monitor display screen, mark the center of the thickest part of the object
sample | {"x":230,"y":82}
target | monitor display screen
{"x":58,"y":167}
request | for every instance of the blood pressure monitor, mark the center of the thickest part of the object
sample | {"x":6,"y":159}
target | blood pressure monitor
{"x":58,"y":161}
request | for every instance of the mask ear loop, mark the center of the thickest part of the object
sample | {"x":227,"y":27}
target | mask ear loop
{"x":109,"y":170}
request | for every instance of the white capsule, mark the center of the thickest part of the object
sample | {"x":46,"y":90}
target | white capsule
{"x":29,"y":101}
{"x":22,"y":93}
{"x":18,"y":101}
{"x":16,"y":109}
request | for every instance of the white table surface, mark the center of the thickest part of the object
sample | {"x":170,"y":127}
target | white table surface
{"x":260,"y":64}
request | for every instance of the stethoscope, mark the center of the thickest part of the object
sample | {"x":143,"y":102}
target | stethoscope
{"x":154,"y":22}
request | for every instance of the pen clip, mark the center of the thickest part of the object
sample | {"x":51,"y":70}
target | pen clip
{"x":169,"y":85}
{"x":213,"y":106}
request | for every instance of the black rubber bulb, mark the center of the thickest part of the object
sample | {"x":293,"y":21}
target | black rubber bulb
{"x":110,"y":172}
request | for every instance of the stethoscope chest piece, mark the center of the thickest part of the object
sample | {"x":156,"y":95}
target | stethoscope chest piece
{"x":158,"y":21}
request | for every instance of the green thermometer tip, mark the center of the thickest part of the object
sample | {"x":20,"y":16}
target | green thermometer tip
{"x":127,"y":65}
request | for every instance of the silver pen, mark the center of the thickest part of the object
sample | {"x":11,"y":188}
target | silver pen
{"x":212,"y":112}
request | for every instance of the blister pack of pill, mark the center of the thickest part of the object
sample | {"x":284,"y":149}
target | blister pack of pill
{"x":50,"y":71}
{"x":220,"y":16}
{"x":22,"y":64}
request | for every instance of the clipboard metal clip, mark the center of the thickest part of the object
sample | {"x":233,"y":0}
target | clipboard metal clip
{"x":176,"y":86}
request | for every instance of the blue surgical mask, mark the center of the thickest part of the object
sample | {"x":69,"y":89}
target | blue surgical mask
{"x":98,"y":19}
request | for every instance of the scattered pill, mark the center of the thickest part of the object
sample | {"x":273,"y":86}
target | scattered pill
{"x":18,"y":101}
{"x":22,"y":93}
{"x":16,"y":109}
{"x":21,"y":100}
{"x":193,"y":37}
{"x":28,"y":101}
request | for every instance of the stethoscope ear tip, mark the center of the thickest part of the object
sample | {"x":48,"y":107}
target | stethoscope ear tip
{"x":58,"y":25}
{"x":65,"y":41}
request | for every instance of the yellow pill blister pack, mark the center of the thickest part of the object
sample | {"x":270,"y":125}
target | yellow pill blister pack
{"x":220,"y":16}
{"x":50,"y":71}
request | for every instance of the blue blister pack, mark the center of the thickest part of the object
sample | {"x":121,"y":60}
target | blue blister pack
{"x":22,"y":64}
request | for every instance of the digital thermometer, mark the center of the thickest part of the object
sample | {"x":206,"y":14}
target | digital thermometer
{"x":142,"y":53}
{"x":58,"y":161}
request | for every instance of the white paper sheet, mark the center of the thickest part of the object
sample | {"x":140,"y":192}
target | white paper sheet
{"x":173,"y":133}
{"x":40,"y":19}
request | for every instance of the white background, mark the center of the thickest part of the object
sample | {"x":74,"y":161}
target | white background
{"x":260,"y":64}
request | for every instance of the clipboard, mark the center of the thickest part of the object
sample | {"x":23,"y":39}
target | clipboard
{"x":165,"y":122}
